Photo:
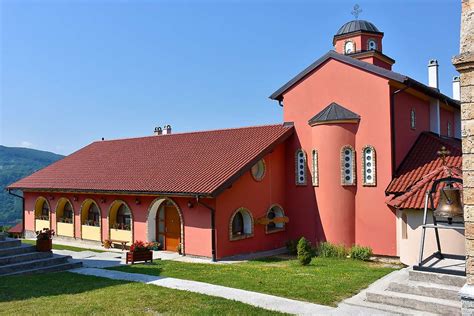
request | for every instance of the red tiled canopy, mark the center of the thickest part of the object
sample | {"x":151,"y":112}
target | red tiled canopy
{"x":187,"y":163}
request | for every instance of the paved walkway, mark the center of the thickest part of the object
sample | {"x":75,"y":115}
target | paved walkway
{"x":265,"y":301}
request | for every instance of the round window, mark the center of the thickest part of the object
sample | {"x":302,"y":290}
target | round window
{"x":258,"y":170}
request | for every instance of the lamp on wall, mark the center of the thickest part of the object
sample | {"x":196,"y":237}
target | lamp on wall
{"x":50,"y":197}
{"x":137,"y":201}
{"x":190,"y":204}
{"x":102,"y":200}
{"x":74,"y":198}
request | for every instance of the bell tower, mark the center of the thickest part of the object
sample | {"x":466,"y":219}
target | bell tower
{"x":362,"y":40}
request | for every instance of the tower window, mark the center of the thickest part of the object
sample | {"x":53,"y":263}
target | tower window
{"x":349,"y":47}
{"x":412,"y":119}
{"x":371,"y":45}
{"x":314,"y":167}
{"x":347,"y":166}
{"x":300,"y":167}
{"x":450,"y":133}
{"x":258,"y":170}
{"x":369,"y":166}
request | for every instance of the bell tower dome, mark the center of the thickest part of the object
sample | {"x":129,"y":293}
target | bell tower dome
{"x":362,"y":40}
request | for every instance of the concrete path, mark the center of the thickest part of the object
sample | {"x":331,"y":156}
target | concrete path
{"x":265,"y":301}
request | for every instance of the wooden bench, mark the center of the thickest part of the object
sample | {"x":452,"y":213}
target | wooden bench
{"x":123,"y":243}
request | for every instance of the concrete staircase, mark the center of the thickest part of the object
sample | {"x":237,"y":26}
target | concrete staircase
{"x":16,"y":259}
{"x":409,"y":292}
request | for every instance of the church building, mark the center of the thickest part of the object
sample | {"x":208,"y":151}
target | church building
{"x":356,"y":144}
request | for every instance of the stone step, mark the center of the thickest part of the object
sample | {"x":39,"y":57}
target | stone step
{"x":53,"y":268}
{"x":420,"y":303}
{"x":33,"y":264}
{"x":9,"y":243}
{"x":23,"y":257}
{"x":438,"y":278}
{"x":5,"y":252}
{"x":442,"y":291}
{"x":3,"y":236}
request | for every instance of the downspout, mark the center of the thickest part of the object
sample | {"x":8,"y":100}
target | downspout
{"x":213,"y":228}
{"x":22,"y":210}
{"x":392,"y":123}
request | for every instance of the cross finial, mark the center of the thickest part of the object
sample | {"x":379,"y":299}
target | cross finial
{"x":443,"y":153}
{"x":356,"y":11}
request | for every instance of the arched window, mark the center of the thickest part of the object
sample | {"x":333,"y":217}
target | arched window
{"x":369,"y":168}
{"x":347,"y":166}
{"x":314,"y":167}
{"x":371,"y":45}
{"x":124,"y":218}
{"x":274,"y":215}
{"x":412,"y":119}
{"x":241,"y":224}
{"x":67,"y":213}
{"x":450,"y":133}
{"x":93,"y":216}
{"x":300,"y":167}
{"x":42,"y":210}
{"x":258,"y":170}
{"x":349,"y":47}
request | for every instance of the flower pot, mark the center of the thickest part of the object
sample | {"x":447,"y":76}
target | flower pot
{"x":44,"y":245}
{"x":139,"y":256}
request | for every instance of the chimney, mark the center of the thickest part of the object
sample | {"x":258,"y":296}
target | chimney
{"x":433,"y":73}
{"x":167,"y":129}
{"x":158,"y":131}
{"x":456,"y":88}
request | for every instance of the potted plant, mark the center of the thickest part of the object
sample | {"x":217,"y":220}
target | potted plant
{"x":44,"y":242}
{"x":141,"y":251}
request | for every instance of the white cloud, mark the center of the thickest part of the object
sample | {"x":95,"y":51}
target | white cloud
{"x":26,"y":144}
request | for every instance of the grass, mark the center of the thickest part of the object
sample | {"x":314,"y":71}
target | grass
{"x":62,"y":247}
{"x":324,"y":281}
{"x":67,"y":293}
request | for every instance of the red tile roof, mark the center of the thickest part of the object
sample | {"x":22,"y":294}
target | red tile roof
{"x":184,"y":163}
{"x":421,"y":167}
{"x":17,"y":229}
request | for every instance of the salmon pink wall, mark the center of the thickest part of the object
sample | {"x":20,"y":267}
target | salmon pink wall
{"x":367,"y":95}
{"x":257,"y":197}
{"x":360,"y":41}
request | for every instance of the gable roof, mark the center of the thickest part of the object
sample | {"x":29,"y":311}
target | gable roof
{"x":198,"y":163}
{"x":432,"y":92}
{"x":333,"y":112}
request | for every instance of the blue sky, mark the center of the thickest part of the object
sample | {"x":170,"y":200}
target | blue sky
{"x":73,"y":72}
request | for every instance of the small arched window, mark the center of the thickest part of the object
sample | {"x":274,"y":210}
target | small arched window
{"x":93,"y":215}
{"x":369,"y":168}
{"x":300,"y":167}
{"x":275,"y":215}
{"x":412,"y":119}
{"x":45,"y":211}
{"x":241,"y":224}
{"x":347,"y":165}
{"x":371,"y":45}
{"x":349,"y":47}
{"x":124,"y":218}
{"x":67,"y":213}
{"x":314,"y":167}
{"x":258,"y":170}
{"x":450,"y":132}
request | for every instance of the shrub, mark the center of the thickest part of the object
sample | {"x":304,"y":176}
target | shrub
{"x":360,"y":253}
{"x":292,"y":246}
{"x":328,"y":250}
{"x":304,"y":251}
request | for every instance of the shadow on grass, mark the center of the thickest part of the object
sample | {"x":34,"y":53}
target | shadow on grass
{"x":16,"y":288}
{"x":154,"y":268}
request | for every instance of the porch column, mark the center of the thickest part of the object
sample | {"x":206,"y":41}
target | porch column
{"x":464,"y":63}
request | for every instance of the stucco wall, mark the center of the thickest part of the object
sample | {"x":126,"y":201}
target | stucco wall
{"x":452,"y":242}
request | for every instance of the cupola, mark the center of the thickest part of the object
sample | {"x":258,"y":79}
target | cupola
{"x":362,"y":40}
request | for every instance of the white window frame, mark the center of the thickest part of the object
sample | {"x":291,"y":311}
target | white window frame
{"x":300,"y":153}
{"x":352,"y":181}
{"x":314,"y":167}
{"x":373,"y":167}
{"x":413,"y":118}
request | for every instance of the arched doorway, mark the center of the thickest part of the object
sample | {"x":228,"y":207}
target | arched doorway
{"x":91,"y":221}
{"x":64,"y":218}
{"x":165,"y":224}
{"x":120,"y":221}
{"x":42,"y":214}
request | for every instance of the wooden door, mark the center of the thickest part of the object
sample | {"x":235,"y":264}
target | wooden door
{"x":172,"y":228}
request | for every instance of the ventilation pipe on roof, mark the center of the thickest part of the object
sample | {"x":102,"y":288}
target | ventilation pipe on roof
{"x":158,"y":131}
{"x":456,"y":88}
{"x":433,"y":73}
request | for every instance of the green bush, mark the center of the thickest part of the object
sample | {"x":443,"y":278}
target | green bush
{"x":304,"y":251}
{"x":292,"y":246}
{"x":328,"y":250}
{"x":360,"y":253}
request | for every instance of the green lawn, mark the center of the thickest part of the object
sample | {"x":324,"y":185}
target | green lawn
{"x":62,"y":247}
{"x":68,"y":293}
{"x":325,"y":281}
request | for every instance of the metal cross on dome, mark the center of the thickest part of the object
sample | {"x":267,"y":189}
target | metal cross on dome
{"x":356,"y":11}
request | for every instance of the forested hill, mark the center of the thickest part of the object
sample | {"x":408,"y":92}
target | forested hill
{"x":16,"y":163}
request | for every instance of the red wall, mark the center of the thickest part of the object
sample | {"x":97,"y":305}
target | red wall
{"x":367,"y":95}
{"x":257,"y":197}
{"x":446,"y":116}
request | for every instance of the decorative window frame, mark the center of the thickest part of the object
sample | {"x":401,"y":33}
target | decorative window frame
{"x":353,"y":46}
{"x":252,"y":224}
{"x":413,"y":119}
{"x":277,"y":230}
{"x":374,"y":166}
{"x":297,"y":182}
{"x":368,"y":44}
{"x":264,"y":170}
{"x":314,"y":168}
{"x":342,"y":162}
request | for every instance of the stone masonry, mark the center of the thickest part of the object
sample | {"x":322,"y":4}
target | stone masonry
{"x":464,"y":63}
